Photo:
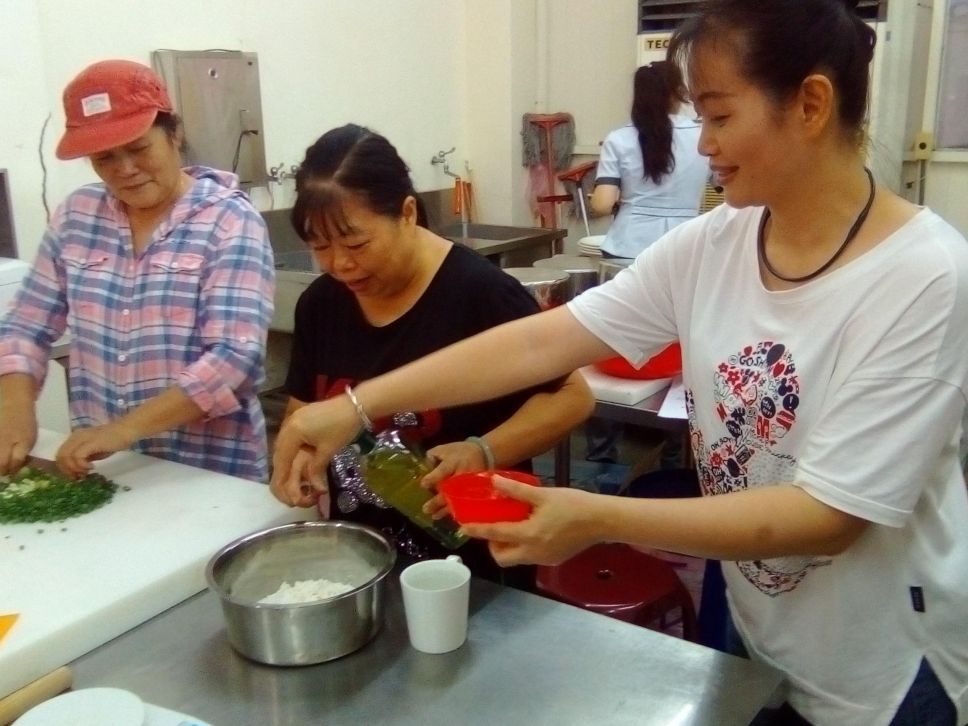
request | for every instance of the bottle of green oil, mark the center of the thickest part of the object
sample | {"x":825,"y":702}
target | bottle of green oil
{"x":393,"y":470}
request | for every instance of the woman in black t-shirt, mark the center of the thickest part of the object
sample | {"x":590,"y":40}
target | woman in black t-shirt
{"x":394,"y":292}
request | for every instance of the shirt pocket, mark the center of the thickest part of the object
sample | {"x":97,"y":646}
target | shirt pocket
{"x":89,"y":274}
{"x":174,"y":286}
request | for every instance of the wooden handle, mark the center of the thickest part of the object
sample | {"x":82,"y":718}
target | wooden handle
{"x":19,"y":702}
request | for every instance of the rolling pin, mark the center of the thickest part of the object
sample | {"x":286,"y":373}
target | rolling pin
{"x":21,"y":701}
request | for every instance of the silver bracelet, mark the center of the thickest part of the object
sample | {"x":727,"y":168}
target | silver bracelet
{"x":486,"y":448}
{"x":367,"y":423}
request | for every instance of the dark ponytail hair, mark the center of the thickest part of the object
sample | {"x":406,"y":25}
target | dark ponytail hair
{"x":781,"y":42}
{"x":657,"y":92}
{"x":350,"y":159}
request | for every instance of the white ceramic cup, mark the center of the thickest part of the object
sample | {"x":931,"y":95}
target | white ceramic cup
{"x":435,"y":599}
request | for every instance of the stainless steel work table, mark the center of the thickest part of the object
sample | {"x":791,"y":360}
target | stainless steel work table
{"x":505,"y":245}
{"x":644,"y":413}
{"x":528,"y":660}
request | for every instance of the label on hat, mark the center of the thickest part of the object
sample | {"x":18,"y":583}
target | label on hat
{"x":98,"y":103}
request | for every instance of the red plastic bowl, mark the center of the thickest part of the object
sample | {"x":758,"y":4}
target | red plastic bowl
{"x":472,"y":497}
{"x":666,"y":364}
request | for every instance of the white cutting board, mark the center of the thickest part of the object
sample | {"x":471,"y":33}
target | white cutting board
{"x":627,"y":391}
{"x":81,"y":582}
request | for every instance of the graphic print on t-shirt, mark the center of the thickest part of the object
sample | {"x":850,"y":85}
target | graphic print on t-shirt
{"x":757,"y":393}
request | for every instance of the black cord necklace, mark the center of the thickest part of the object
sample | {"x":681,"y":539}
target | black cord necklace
{"x":855,"y":228}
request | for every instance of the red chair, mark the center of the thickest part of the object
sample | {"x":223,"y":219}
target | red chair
{"x":621,"y":582}
{"x":576,"y":176}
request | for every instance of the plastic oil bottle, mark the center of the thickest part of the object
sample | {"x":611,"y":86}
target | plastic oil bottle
{"x":393,"y":470}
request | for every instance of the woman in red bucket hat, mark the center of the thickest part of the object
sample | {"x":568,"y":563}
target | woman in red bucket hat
{"x":163,"y":275}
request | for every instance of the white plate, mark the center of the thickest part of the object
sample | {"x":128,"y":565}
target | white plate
{"x":158,"y":716}
{"x":87,"y":707}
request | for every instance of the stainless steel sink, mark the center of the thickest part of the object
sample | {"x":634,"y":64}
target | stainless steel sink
{"x":485,"y":231}
{"x":505,"y":245}
{"x":294,"y":267}
{"x":294,"y":261}
{"x":508,"y":246}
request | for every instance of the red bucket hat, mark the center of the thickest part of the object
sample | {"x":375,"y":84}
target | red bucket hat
{"x":110,"y":104}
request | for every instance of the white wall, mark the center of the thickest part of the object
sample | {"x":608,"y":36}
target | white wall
{"x":390,"y":64}
{"x":541,"y":56}
{"x":946,"y":188}
{"x":591,"y":61}
{"x":429,"y":74}
{"x":23,"y":98}
{"x":487,"y":111}
{"x":591,"y":58}
{"x":898,"y":92}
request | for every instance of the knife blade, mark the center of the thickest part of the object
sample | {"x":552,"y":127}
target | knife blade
{"x":45,"y":465}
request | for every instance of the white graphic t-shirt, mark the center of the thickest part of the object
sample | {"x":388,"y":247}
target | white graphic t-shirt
{"x":852,"y":386}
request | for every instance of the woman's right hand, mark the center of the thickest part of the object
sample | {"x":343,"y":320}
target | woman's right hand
{"x":307,"y":440}
{"x":312,"y":484}
{"x":563,"y":522}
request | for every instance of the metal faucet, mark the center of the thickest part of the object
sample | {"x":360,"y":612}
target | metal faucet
{"x":279,"y":174}
{"x":440,"y":158}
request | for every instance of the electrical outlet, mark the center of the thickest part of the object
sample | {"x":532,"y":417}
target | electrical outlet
{"x":923,"y":145}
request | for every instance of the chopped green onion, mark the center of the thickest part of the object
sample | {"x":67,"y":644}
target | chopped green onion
{"x":32,"y":496}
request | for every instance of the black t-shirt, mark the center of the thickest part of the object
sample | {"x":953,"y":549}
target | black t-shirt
{"x":334,"y":345}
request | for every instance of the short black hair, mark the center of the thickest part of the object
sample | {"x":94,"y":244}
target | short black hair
{"x":349,"y":159}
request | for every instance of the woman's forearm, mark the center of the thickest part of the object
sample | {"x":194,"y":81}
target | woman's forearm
{"x":168,"y":410}
{"x":776,"y":521}
{"x":603,"y":199}
{"x":542,"y":421}
{"x":18,"y":391}
{"x":499,"y":361}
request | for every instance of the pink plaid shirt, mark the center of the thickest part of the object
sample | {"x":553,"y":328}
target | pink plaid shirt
{"x":192,"y":310}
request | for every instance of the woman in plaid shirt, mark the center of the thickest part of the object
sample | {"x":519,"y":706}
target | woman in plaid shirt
{"x":164,"y":276}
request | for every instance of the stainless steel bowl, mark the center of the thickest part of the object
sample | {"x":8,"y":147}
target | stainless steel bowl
{"x":549,"y":287}
{"x":252,"y":567}
{"x":609,"y":267}
{"x":582,"y":271}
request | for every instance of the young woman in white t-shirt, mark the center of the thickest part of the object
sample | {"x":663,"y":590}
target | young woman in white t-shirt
{"x":824,"y":328}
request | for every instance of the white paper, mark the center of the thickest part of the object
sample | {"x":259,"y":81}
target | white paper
{"x":674,"y":405}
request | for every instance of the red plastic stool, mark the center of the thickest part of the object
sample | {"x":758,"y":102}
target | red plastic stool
{"x":621,"y":582}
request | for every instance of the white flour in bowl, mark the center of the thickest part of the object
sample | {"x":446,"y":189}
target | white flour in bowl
{"x":303,"y":591}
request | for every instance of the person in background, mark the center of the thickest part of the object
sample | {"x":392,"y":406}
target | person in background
{"x":650,"y":167}
{"x":394,"y":291}
{"x":824,"y":324}
{"x":164,"y":277}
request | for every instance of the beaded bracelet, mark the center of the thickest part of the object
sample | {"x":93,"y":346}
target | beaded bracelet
{"x":367,"y":423}
{"x":486,"y":448}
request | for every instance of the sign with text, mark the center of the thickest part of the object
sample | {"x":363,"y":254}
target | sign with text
{"x":651,"y":47}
